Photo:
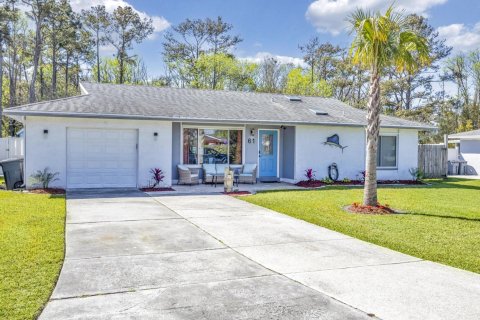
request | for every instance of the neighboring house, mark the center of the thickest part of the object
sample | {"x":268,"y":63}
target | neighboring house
{"x":112,"y":135}
{"x":467,"y":148}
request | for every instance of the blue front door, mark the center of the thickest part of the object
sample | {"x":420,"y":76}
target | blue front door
{"x":268,"y":153}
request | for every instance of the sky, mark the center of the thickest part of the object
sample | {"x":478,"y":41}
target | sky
{"x":277,"y":27}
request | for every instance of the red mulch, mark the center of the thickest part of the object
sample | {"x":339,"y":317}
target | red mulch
{"x":156,"y":189}
{"x":47,"y":191}
{"x":411,"y":182}
{"x":237,"y":193}
{"x":378,"y":209}
{"x":320,"y":183}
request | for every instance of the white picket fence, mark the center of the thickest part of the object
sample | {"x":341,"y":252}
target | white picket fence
{"x":11,"y":148}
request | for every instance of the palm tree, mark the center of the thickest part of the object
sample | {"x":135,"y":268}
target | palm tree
{"x":382,"y":41}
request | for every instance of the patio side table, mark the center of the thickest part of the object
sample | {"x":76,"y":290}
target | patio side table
{"x":236,"y":177}
{"x":215,"y":178}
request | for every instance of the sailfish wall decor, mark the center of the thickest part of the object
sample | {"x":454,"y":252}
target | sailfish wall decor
{"x":334,"y":141}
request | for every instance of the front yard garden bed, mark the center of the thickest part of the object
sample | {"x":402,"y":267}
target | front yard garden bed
{"x":321,"y":183}
{"x":32,"y":228}
{"x":362,"y":209}
{"x":238,"y":193}
{"x":51,"y":191}
{"x":438,"y":222}
{"x":151,"y":189}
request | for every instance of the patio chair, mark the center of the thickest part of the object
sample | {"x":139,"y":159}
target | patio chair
{"x":220,"y":169}
{"x":208,"y":172}
{"x":249,"y":173}
{"x":187,"y":175}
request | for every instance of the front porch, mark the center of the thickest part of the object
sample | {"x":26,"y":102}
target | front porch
{"x":211,"y":189}
{"x":270,"y":147}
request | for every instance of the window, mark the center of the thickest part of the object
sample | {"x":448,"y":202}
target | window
{"x":212,"y":146}
{"x":387,"y":152}
{"x":267,"y":144}
{"x":190,"y":146}
{"x":236,"y":143}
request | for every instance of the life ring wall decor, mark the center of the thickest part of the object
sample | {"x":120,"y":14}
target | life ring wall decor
{"x":333,"y":171}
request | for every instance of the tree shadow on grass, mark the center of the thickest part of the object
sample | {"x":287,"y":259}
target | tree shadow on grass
{"x":449,"y":183}
{"x":437,"y":216}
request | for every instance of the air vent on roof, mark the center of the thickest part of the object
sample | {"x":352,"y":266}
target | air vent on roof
{"x":319,"y":112}
{"x":294,"y":98}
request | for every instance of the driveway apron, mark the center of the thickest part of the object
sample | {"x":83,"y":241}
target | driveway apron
{"x":134,"y":256}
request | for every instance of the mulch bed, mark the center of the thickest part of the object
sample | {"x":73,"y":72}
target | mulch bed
{"x":411,"y":182}
{"x":320,"y":183}
{"x":376,"y":210}
{"x":238,"y":193}
{"x":156,"y":189}
{"x":47,"y":191}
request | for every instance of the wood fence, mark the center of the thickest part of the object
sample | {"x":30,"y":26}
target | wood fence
{"x":433,"y":160}
{"x":11,"y":148}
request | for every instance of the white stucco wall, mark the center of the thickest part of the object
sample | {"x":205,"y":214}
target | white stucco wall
{"x":407,"y":155}
{"x":312,"y":153}
{"x":470,"y":152}
{"x":50,"y":150}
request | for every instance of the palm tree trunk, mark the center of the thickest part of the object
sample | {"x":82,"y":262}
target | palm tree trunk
{"x":373,"y":130}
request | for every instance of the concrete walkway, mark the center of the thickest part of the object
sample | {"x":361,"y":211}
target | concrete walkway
{"x":131,"y":256}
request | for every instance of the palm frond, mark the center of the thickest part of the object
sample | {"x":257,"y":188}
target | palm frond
{"x":383,"y":40}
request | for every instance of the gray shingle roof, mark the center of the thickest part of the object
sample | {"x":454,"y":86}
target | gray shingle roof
{"x":474,"y":134}
{"x":147,"y":102}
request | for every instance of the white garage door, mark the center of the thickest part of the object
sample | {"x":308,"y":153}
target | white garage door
{"x":101,"y":158}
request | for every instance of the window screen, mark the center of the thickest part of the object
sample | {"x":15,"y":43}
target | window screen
{"x":387,"y":151}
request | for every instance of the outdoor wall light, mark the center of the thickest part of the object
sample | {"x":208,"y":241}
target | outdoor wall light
{"x":155,"y":134}
{"x":252,"y":132}
{"x":45,"y":131}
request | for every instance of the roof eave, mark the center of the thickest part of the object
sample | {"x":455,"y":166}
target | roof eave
{"x":17,"y":113}
{"x":464,"y":137}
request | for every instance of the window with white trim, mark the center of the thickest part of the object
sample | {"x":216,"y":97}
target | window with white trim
{"x":387,"y":151}
{"x":212,"y":146}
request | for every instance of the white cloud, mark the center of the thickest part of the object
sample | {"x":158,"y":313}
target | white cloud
{"x":260,"y":56}
{"x":328,"y":16}
{"x":159,"y":23}
{"x":461,"y":37}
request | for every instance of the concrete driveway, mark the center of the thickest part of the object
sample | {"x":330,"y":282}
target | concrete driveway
{"x":132,"y":256}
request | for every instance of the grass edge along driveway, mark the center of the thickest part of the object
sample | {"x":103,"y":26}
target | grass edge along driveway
{"x":32,"y":237}
{"x":441,"y":221}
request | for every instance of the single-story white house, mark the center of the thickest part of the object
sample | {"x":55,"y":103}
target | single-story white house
{"x":467,"y":148}
{"x":112,"y":135}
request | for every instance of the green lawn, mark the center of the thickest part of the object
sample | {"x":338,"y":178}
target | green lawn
{"x":441,"y":222}
{"x":32,"y":250}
